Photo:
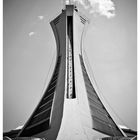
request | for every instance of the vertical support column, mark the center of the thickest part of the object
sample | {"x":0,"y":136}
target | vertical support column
{"x":70,"y":59}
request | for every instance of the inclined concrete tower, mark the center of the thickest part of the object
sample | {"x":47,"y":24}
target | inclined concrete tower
{"x":70,"y":108}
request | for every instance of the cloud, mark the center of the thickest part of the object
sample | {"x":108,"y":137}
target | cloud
{"x":100,"y":7}
{"x":31,"y":34}
{"x":19,"y":127}
{"x":41,"y":17}
{"x":123,"y":127}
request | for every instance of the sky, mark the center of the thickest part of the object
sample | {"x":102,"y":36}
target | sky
{"x":29,"y":53}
